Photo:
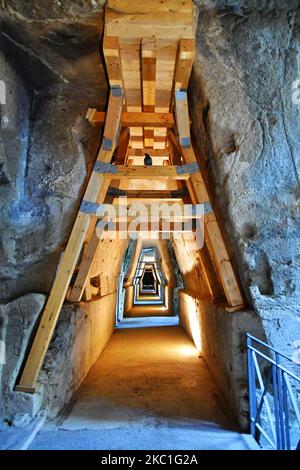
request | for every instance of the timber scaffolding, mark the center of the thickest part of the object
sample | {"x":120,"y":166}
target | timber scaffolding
{"x":149,"y":52}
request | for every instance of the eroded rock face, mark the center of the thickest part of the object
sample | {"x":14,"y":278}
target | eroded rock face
{"x":243,"y":100}
{"x":17,"y":321}
{"x":52,"y":71}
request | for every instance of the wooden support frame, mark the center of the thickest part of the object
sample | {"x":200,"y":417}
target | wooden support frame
{"x":131,"y":119}
{"x":164,"y":54}
{"x":95,"y":192}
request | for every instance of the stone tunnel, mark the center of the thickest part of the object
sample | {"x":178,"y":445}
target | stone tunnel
{"x":151,"y":346}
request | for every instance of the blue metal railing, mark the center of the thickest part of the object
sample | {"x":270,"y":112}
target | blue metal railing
{"x":274,"y":406}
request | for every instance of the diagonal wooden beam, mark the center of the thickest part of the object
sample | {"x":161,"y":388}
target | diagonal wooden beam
{"x":84,"y":269}
{"x":148,"y":52}
{"x":94,"y":193}
{"x":121,"y":152}
{"x":199,"y":194}
{"x":184,"y":64}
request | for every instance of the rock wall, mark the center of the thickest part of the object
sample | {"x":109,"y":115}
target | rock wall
{"x":52,"y":70}
{"x":246,"y":126}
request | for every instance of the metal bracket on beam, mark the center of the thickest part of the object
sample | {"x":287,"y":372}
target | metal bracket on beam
{"x":117,"y":90}
{"x":185,"y":142}
{"x":181,"y":94}
{"x":88,"y":207}
{"x":116,"y":192}
{"x":107,"y":144}
{"x":189,"y":168}
{"x":102,"y":167}
{"x":208,"y":208}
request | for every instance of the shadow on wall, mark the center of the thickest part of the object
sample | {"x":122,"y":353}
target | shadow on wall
{"x":219,"y":336}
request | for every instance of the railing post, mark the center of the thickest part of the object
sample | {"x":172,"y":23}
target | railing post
{"x":286,"y":413}
{"x":280,"y":402}
{"x":276,"y":408}
{"x":251,"y":388}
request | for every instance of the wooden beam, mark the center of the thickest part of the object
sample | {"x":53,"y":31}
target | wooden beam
{"x":175,"y":153}
{"x":84,"y":269}
{"x":157,"y":161}
{"x":111,"y":50}
{"x":145,"y":194}
{"x":149,"y":84}
{"x":184,"y":64}
{"x":152,"y":152}
{"x":145,"y":119}
{"x":130,"y":211}
{"x":147,"y":200}
{"x":173,"y":19}
{"x":144,"y":227}
{"x":121,"y":152}
{"x":146,"y":172}
{"x":94,"y":193}
{"x":199,"y":194}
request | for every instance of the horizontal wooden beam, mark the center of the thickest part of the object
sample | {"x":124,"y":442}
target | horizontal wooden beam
{"x":152,"y":152}
{"x":172,"y":227}
{"x":146,"y":194}
{"x":120,"y":172}
{"x":164,"y":211}
{"x":147,"y":200}
{"x":97,"y":118}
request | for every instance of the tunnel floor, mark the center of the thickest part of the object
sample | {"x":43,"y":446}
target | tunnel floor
{"x":148,"y":390}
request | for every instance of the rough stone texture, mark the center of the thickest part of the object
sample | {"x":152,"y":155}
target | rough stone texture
{"x":80,"y":336}
{"x":241,"y":101}
{"x":49,"y":57}
{"x":17,"y":321}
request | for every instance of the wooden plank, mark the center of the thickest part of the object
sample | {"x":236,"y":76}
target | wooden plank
{"x":84,"y":269}
{"x":148,"y":200}
{"x":199,"y":194}
{"x":184,"y":64}
{"x":173,"y":19}
{"x":157,"y":161}
{"x":149,"y":84}
{"x":145,"y":227}
{"x":147,"y":172}
{"x":163,"y":210}
{"x":111,"y":50}
{"x":143,"y":119}
{"x":141,"y":194}
{"x":68,"y":263}
{"x":165,"y":66}
{"x":130,"y":59}
{"x":152,"y":152}
{"x":121,"y":153}
{"x":175,"y":153}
